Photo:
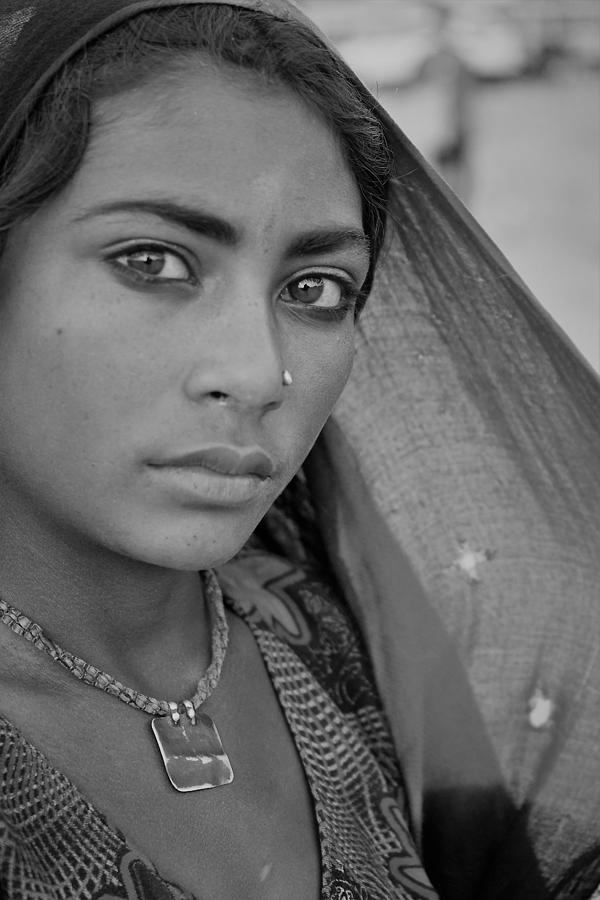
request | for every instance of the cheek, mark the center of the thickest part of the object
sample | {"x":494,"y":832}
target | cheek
{"x":77,"y":384}
{"x":321,"y":375}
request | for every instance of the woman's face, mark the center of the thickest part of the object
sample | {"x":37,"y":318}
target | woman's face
{"x":210,"y":239}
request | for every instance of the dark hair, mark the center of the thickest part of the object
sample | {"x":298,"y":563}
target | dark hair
{"x":54,"y":138}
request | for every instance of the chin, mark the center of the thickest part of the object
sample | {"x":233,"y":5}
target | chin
{"x":185,"y":557}
{"x":202,"y":546}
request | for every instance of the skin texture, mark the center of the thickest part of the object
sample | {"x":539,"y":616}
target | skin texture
{"x":101,"y":374}
{"x":114,"y":374}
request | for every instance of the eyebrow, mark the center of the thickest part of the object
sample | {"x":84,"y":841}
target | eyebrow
{"x":325,"y":240}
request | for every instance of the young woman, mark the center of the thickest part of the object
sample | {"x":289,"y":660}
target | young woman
{"x":193,"y":208}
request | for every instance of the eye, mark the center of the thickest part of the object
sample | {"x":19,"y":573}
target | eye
{"x":319,"y":291}
{"x":153,"y":263}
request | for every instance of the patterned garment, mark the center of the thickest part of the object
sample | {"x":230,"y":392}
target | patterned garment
{"x":54,"y":845}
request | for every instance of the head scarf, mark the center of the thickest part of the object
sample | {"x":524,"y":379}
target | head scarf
{"x":457,"y":485}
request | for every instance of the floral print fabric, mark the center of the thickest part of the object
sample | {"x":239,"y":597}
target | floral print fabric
{"x":54,"y":845}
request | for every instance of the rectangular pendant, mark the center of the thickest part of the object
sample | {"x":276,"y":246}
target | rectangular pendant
{"x":193,"y":755}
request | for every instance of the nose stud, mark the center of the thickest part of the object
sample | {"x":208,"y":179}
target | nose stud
{"x":286,"y":380}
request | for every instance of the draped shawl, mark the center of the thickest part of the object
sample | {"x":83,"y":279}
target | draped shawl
{"x":457,"y":489}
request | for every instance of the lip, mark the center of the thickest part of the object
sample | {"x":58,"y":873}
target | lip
{"x":198,"y":487}
{"x":223,"y":460}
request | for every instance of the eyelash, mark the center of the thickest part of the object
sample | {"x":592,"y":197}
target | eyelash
{"x":348,"y":297}
{"x":158,"y":250}
{"x":349,"y":293}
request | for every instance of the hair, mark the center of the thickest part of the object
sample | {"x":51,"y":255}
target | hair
{"x":54,"y":138}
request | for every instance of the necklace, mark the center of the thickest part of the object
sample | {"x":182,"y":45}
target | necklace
{"x":188,"y":740}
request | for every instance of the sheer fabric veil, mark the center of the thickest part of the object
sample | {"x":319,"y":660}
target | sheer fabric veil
{"x":457,"y":486}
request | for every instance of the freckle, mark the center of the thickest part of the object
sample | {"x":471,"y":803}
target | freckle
{"x":59,"y":331}
{"x":541,"y":709}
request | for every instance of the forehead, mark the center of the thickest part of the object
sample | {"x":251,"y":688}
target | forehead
{"x":251,"y":151}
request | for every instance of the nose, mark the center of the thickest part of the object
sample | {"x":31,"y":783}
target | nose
{"x":239,"y":360}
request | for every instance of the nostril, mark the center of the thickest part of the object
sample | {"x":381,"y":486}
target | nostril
{"x":219,"y":395}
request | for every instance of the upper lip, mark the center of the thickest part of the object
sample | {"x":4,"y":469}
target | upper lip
{"x":225,"y":460}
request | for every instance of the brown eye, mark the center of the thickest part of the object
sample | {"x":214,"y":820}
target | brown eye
{"x":314,"y":290}
{"x":148,"y":262}
{"x":153,"y":264}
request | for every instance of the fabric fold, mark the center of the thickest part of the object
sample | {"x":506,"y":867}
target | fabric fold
{"x":458,"y":489}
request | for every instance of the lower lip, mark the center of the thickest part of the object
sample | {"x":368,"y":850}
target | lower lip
{"x":206,"y":486}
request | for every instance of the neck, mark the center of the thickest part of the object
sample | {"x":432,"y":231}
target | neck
{"x":144,"y":624}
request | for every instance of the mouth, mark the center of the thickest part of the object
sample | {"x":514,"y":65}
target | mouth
{"x":223,"y":460}
{"x":217,"y":476}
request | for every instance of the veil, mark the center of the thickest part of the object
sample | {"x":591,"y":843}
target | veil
{"x":457,"y":487}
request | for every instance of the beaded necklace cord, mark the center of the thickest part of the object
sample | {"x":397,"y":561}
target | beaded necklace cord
{"x":192,"y":752}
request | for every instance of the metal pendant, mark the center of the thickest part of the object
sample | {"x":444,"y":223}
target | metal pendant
{"x":192,"y":752}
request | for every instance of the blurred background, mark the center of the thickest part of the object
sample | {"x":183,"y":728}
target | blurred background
{"x":503,"y":97}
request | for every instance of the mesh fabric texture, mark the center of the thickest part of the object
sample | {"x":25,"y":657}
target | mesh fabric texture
{"x":458,"y":488}
{"x":55,"y":845}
